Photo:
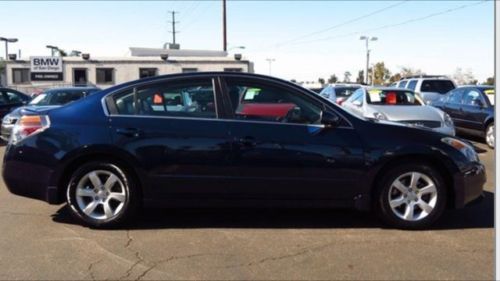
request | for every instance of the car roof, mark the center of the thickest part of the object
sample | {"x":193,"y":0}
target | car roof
{"x":71,"y":89}
{"x":477,"y":86}
{"x":388,"y":89}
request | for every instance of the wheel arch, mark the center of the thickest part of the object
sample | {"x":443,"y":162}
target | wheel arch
{"x":71,"y":163}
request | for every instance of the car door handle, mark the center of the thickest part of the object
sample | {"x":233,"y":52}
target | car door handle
{"x":129,"y":132}
{"x":247,"y":141}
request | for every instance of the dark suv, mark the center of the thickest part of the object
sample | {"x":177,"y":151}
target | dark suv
{"x":233,"y":139}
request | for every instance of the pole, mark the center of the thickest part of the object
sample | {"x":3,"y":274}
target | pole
{"x":367,"y":61}
{"x":6,"y":50}
{"x":173,"y":25}
{"x":224,"y":30}
{"x":270,"y":60}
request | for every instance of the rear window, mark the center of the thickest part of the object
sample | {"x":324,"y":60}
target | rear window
{"x":391,"y":97}
{"x":490,"y":93}
{"x":345,"y":91}
{"x":437,"y":86}
{"x":59,"y":97}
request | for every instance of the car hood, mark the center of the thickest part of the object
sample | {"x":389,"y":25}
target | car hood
{"x":31,"y":109}
{"x":408,"y":112}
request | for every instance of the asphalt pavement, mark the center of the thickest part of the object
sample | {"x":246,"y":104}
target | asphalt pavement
{"x":40,"y":241}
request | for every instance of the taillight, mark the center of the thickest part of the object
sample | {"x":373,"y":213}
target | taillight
{"x":29,"y":125}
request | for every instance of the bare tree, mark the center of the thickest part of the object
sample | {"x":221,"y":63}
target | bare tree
{"x":462,"y":77}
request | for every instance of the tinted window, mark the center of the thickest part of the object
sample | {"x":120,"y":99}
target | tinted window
{"x":13,"y":98}
{"x":473,"y":97}
{"x":253,"y":101}
{"x":344,"y":91}
{"x":59,"y":97}
{"x":437,"y":86}
{"x":391,"y":97}
{"x":182,"y":99}
{"x":412,"y":85}
{"x":455,"y":96}
{"x":402,"y":84}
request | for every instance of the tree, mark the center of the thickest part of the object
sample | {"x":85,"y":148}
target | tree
{"x":409,"y":71}
{"x":321,"y":81}
{"x":381,"y":74}
{"x":347,"y":77}
{"x":462,"y":77}
{"x":394,"y":78}
{"x":333,"y":79}
{"x":489,"y":81}
{"x":361,"y":77}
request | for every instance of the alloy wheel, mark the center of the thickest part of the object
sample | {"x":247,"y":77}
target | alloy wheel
{"x":100,"y":194}
{"x":490,"y":136}
{"x":413,"y":196}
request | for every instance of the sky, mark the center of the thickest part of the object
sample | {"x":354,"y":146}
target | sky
{"x":306,"y":39}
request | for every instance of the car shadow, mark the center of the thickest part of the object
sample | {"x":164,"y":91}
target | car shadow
{"x":479,"y":215}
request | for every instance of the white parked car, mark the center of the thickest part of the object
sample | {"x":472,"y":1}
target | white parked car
{"x":400,"y":105}
{"x":338,"y":93}
{"x":429,"y":87}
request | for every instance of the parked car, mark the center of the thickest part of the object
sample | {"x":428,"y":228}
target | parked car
{"x":338,"y":93}
{"x":11,"y":99}
{"x":472,"y":109}
{"x":47,"y":99}
{"x":105,"y":161}
{"x":398,"y":105}
{"x":428,"y":87}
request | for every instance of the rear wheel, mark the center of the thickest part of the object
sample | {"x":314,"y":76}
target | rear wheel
{"x":490,"y":135}
{"x":411,"y":196}
{"x":100,"y":194}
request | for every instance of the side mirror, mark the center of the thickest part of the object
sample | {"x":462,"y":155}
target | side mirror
{"x":330,"y":119}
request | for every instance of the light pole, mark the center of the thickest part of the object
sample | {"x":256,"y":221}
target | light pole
{"x":270,"y":61}
{"x":52,"y":49}
{"x":367,"y":38}
{"x":7,"y":41}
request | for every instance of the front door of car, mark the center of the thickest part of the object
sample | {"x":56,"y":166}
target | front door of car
{"x":281,"y":149}
{"x":172,"y":130}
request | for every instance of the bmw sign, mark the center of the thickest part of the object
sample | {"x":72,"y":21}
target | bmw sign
{"x":46,"y":69}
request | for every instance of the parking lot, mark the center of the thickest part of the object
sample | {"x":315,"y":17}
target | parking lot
{"x":40,"y":241}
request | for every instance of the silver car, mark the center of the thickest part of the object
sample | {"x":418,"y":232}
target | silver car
{"x":400,"y":105}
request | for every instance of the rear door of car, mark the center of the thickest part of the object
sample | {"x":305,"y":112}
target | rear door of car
{"x":172,"y":128}
{"x":474,"y":110}
{"x":288,"y":154}
{"x":453,"y":106}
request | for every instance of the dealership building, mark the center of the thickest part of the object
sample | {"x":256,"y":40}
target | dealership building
{"x":38,"y":73}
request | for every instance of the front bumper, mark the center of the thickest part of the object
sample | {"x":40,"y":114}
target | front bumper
{"x":6,"y":131}
{"x":469,"y":184}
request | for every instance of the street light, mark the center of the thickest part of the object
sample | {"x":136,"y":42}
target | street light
{"x":52,"y":49}
{"x":367,"y":38}
{"x":7,"y":41}
{"x":270,"y":60}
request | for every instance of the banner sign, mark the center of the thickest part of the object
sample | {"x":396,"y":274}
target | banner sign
{"x":46,"y":68}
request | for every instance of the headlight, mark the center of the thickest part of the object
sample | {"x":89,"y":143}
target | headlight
{"x":447,"y":120}
{"x":467,"y":150}
{"x":379,"y":116}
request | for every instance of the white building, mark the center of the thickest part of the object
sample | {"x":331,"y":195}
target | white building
{"x":106,"y":71}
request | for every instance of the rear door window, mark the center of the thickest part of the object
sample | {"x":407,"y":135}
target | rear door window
{"x":437,"y":86}
{"x":179,"y":99}
{"x":455,"y":96}
{"x":412,"y":85}
{"x":402,"y":84}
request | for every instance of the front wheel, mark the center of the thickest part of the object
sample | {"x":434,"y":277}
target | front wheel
{"x":100,"y":194}
{"x":411,"y":196}
{"x":490,"y":135}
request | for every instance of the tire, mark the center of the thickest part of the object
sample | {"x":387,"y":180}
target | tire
{"x":489,"y":135}
{"x":428,"y":204}
{"x":101,"y":195}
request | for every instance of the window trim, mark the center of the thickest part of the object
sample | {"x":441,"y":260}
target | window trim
{"x":112,"y":75}
{"x":28,"y":81}
{"x":107,"y":101}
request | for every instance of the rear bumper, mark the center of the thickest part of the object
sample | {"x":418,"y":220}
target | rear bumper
{"x":6,"y":131}
{"x":469,"y":184}
{"x":28,"y":178}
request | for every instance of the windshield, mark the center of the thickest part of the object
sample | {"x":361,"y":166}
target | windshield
{"x":59,"y":97}
{"x":392,"y":97}
{"x":345,"y":91}
{"x":490,"y":93}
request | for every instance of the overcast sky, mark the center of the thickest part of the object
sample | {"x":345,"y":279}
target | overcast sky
{"x":307,"y":39}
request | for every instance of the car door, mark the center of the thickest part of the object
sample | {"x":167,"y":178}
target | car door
{"x":172,"y":129}
{"x":473,"y":109}
{"x":280,"y":148}
{"x":453,"y":106}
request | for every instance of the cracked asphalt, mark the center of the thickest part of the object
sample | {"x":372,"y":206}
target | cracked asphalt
{"x":40,"y":241}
